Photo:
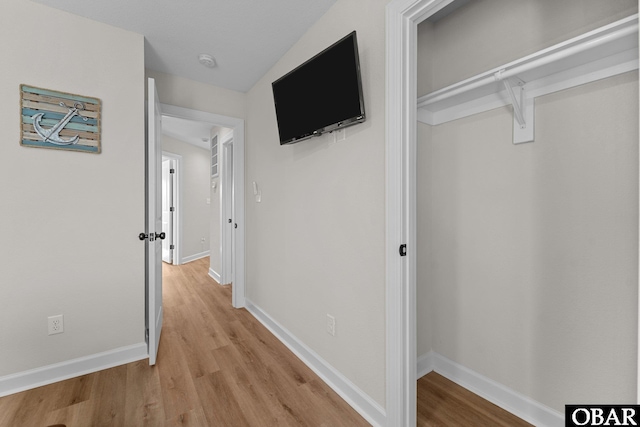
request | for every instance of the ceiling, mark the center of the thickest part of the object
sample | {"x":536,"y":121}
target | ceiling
{"x":246,"y":37}
{"x":191,"y":131}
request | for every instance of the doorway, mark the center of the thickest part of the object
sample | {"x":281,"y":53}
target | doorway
{"x":227,"y":225}
{"x":235,"y":157}
{"x":170,"y":204}
{"x":403,"y":16}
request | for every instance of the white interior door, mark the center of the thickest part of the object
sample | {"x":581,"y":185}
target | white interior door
{"x":154,"y":222}
{"x":167,"y":210}
{"x":228,"y":219}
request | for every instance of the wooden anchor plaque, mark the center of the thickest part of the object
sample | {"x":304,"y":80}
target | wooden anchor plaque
{"x":59,"y":120}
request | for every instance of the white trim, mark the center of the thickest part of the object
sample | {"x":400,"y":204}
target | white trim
{"x":402,"y":18}
{"x":425,"y":364}
{"x":238,"y":290}
{"x":610,"y":66}
{"x":226,"y":210}
{"x":510,"y":400}
{"x":177,"y":192}
{"x":215,"y":276}
{"x":50,"y":374}
{"x":195,"y":257}
{"x":359,"y":400}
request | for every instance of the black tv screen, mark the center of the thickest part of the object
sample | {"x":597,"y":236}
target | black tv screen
{"x":321,"y":95}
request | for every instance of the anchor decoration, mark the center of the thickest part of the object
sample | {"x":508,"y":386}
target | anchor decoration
{"x":52,"y":135}
{"x":59,"y":121}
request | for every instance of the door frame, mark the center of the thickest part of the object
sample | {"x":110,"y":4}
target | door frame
{"x":177,"y":197}
{"x":226,"y":209}
{"x":402,"y":19}
{"x":238,"y":288}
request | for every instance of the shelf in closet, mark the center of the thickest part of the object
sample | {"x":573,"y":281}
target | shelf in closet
{"x":603,"y":52}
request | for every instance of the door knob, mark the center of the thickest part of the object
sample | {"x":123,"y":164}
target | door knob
{"x":161,"y":236}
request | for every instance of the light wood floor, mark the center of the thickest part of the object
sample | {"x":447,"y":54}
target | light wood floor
{"x":444,"y":403}
{"x":218,"y":366}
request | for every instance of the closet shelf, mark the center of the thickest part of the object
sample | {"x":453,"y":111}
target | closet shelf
{"x":604,"y":52}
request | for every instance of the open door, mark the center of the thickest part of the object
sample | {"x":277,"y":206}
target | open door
{"x":167,"y":210}
{"x":154,"y":223}
{"x":228,"y":218}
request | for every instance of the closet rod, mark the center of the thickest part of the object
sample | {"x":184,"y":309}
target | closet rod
{"x":539,"y":59}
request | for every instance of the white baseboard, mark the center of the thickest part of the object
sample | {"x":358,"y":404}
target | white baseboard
{"x":359,"y":400}
{"x":425,"y":364}
{"x":194,"y":257}
{"x":509,"y":400}
{"x":33,"y":378}
{"x":215,"y":276}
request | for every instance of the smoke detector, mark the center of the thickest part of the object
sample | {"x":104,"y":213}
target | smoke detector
{"x":207,"y":60}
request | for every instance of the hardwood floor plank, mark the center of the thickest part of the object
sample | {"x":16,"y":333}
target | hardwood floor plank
{"x":144,"y":406}
{"x":74,"y":390}
{"x":441,"y":402}
{"x":249,"y":391}
{"x":72,"y":416}
{"x":193,"y":344}
{"x":9,"y":407}
{"x":220,"y":406}
{"x":209,"y":332}
{"x":193,"y":418}
{"x":179,"y":394}
{"x":34,"y":406}
{"x":108,"y":397}
{"x":333,"y":404}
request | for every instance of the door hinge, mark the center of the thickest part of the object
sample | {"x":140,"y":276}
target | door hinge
{"x":172,"y":247}
{"x":403,"y":250}
{"x":171,"y":209}
{"x":146,"y":335}
{"x":172,"y":171}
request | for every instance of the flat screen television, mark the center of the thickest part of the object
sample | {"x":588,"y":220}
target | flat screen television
{"x":321,"y":95}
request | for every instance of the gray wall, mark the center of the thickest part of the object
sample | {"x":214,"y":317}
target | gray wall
{"x":528,"y":254}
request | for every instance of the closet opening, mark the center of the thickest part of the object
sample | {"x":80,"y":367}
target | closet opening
{"x":526,"y":256}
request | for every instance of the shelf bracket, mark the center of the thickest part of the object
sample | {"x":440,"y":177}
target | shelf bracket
{"x":523,"y":108}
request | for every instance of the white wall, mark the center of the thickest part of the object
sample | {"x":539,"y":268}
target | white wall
{"x":315,"y":244}
{"x":527,"y":269}
{"x":195,"y":176}
{"x":70,"y":221}
{"x":186,"y":93}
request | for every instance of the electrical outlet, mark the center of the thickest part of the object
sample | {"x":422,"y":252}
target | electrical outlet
{"x":331,"y":325}
{"x":56,"y":324}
